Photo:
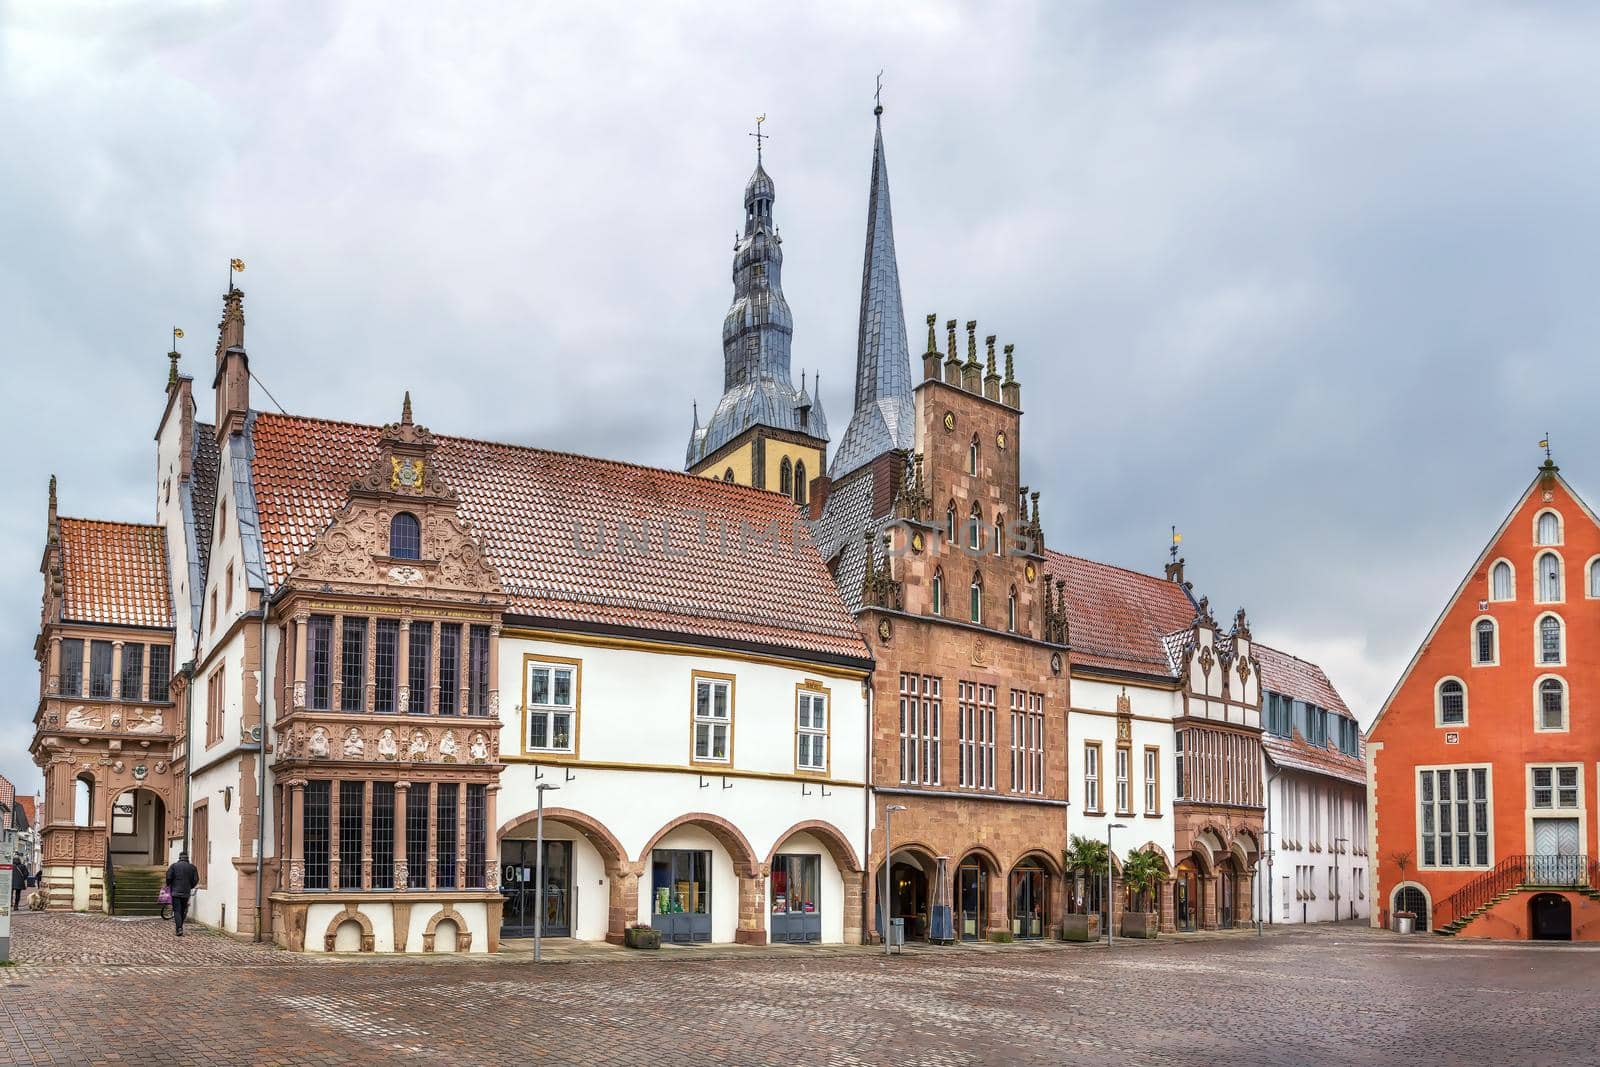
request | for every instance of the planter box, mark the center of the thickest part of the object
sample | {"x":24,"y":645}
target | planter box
{"x":1001,"y":937}
{"x":1080,"y":928}
{"x":1405,"y":923}
{"x":1140,"y":924}
{"x":641,"y":937}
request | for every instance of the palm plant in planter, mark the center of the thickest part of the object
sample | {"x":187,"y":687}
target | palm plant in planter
{"x":1142,"y":875}
{"x":1085,"y":861}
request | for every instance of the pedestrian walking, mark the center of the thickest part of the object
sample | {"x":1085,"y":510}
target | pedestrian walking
{"x":19,"y":880}
{"x":182,"y":878}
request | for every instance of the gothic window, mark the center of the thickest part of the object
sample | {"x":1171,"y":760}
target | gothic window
{"x":800,"y":483}
{"x":1552,"y":705}
{"x":1502,"y":583}
{"x":1011,"y":610}
{"x":999,"y":535}
{"x":1550,"y":649}
{"x":727,"y":475}
{"x":972,"y":455}
{"x":1549,"y":578}
{"x":976,"y":604}
{"x":405,"y":536}
{"x":1452,"y":702}
{"x":1548,"y":529}
{"x":975,"y":529}
{"x":1483,"y":642}
{"x":785,"y":477}
{"x":950,"y":523}
{"x":938,"y":592}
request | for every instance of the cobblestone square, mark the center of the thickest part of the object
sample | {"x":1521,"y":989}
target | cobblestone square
{"x":99,"y":990}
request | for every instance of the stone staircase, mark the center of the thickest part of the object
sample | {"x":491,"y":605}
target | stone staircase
{"x":136,"y":890}
{"x":1453,"y":928}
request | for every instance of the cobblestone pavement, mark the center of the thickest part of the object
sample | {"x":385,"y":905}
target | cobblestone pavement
{"x":101,"y":990}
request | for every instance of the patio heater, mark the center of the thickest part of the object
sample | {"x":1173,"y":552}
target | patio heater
{"x":888,"y":863}
{"x":538,"y":875}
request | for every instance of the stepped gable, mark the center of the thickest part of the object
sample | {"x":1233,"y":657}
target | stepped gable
{"x":1303,"y":680}
{"x":1120,"y":619}
{"x":114,"y":573}
{"x":563,"y":532}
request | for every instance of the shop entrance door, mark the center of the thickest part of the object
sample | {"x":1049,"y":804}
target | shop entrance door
{"x":680,"y":894}
{"x":796,"y":907}
{"x":1030,"y":897}
{"x":973,"y":894}
{"x":1185,"y":898}
{"x":519,"y":889}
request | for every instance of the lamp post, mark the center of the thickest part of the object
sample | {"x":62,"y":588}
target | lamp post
{"x":1110,"y":934}
{"x":538,"y":875}
{"x":888,"y":859}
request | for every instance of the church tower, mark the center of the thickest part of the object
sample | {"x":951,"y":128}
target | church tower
{"x":764,"y":432}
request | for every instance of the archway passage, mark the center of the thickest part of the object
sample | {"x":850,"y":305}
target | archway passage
{"x":1411,"y":898}
{"x":974,"y":889}
{"x":137,"y":826}
{"x":1549,"y":917}
{"x":911,"y":883}
{"x":1029,"y":899}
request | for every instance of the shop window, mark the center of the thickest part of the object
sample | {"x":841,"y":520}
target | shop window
{"x":552,"y":706}
{"x":796,"y":898}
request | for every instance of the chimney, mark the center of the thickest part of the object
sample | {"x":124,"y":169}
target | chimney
{"x":232,"y":381}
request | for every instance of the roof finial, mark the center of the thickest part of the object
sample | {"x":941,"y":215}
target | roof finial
{"x":877,"y":96}
{"x":1011,"y":375}
{"x":405,"y":410}
{"x":972,"y":342}
{"x":172,"y":371}
{"x":950,"y":328}
{"x":759,"y":136}
{"x":1177,"y":539}
{"x":1545,"y":444}
{"x":235,"y":266}
{"x":933,"y":342}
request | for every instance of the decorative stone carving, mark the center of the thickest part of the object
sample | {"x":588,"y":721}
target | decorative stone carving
{"x":402,"y":875}
{"x":82,"y":718}
{"x":480,"y":747}
{"x":161,"y":766}
{"x":494,"y":702}
{"x":448,"y":746}
{"x":388,"y":746}
{"x":1206,"y":660}
{"x":417,"y":751}
{"x":317,"y":743}
{"x":403,"y":702}
{"x":297,"y":875}
{"x":137,"y":722}
{"x":299,"y":694}
{"x":1124,"y":703}
{"x":355,"y":746}
{"x":405,"y":575}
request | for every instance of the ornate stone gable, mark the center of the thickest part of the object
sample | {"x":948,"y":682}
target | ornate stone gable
{"x":353,"y":555}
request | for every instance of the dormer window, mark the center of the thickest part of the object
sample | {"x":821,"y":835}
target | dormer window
{"x":405,"y":536}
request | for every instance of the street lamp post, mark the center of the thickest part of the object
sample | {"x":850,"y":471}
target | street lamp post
{"x":888,"y":858}
{"x":1110,"y":934}
{"x":538,"y":875}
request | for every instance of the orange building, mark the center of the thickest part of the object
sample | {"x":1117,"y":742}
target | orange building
{"x":1482,"y":763}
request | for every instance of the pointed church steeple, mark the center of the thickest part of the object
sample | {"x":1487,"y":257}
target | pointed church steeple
{"x":882,"y":418}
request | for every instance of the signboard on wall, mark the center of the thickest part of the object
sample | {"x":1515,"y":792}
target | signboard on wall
{"x":8,"y":845}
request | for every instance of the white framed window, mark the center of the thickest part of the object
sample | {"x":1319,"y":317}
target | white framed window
{"x":938,"y":592}
{"x":1550,"y":704}
{"x":972,"y":455}
{"x":811,"y":731}
{"x":1547,"y":571}
{"x":1594,"y":578}
{"x":975,"y":530}
{"x":1152,"y":781}
{"x":1124,"y":782}
{"x":1091,"y":776}
{"x":919,"y":729}
{"x":1027,"y":742}
{"x":1011,"y":611}
{"x":1547,"y":528}
{"x":713,"y":718}
{"x":975,"y":727}
{"x":1455,"y":823}
{"x":1555,"y":787}
{"x":1502,"y":581}
{"x":551,"y":708}
{"x":1450,"y":702}
{"x":975,"y":593}
{"x":1485,"y":642}
{"x":1550,"y":641}
{"x":950,"y":523}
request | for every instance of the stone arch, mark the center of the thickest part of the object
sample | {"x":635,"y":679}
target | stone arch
{"x":728,"y":835}
{"x":1051,"y":865}
{"x":594,"y":831}
{"x":350,"y":914}
{"x":988,"y":857}
{"x":1166,"y":857}
{"x":1424,"y":922}
{"x":844,"y":857}
{"x":463,"y":932}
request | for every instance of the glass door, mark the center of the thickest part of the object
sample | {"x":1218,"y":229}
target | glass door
{"x":680,"y":894}
{"x":972,"y":891}
{"x":796,"y":903}
{"x":518,"y":887}
{"x":1185,"y":898}
{"x":1029,"y":900}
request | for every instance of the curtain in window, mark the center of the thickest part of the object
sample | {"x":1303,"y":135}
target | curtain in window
{"x":1549,"y":577}
{"x":1501,"y":585}
{"x":1549,"y":532}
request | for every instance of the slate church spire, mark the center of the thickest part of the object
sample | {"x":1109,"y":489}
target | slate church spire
{"x":882,"y":418}
{"x":758,"y":391}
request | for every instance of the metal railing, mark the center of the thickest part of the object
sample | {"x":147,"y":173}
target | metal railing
{"x":1514,"y":872}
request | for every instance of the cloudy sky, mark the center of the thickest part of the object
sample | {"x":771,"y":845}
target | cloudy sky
{"x":1309,"y":281}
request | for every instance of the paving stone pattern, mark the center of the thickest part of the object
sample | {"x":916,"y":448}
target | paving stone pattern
{"x":93,"y":990}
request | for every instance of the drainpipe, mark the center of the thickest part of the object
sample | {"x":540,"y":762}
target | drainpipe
{"x":866,"y":825}
{"x":1270,"y":838}
{"x":261,"y":749}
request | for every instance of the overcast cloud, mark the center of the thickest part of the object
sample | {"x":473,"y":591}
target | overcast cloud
{"x":1309,"y":281}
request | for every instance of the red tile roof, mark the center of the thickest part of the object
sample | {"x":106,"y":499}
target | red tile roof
{"x":115,"y":573}
{"x":1117,"y":618}
{"x":28,"y":809}
{"x":1297,"y":678}
{"x":538,"y":514}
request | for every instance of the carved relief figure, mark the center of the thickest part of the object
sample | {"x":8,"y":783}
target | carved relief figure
{"x":388,"y":747}
{"x":142,"y":722}
{"x":355,"y":746}
{"x":480,"y":747}
{"x":418,"y":750}
{"x":317,"y":745}
{"x":448,"y":746}
{"x":79,"y":717}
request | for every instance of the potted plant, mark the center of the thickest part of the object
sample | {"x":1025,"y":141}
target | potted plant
{"x":1405,"y":922}
{"x":641,"y":936}
{"x":1085,"y":861}
{"x":1142,"y":874}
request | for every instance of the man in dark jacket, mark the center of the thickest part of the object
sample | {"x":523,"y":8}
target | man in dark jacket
{"x":182,"y":878}
{"x":19,"y":882}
